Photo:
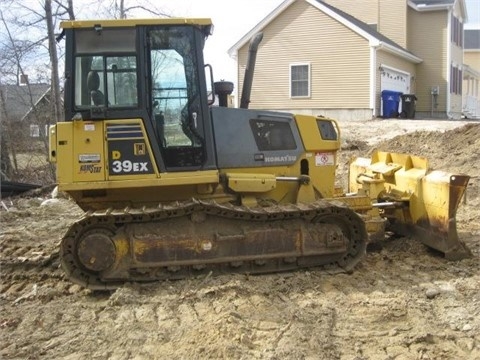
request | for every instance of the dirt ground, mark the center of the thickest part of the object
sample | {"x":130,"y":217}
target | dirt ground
{"x":403,"y":301}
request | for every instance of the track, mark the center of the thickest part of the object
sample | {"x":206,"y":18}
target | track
{"x":104,"y":249}
{"x":21,"y":266}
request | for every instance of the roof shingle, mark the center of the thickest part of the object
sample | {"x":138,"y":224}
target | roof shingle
{"x":472,"y":39}
{"x":17,"y":98}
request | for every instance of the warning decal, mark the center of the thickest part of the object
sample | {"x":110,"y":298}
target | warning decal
{"x":324,"y":159}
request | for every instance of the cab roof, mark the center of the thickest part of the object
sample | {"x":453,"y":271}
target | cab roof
{"x":106,"y":23}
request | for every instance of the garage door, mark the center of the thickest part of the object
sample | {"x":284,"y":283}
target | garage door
{"x":395,"y":81}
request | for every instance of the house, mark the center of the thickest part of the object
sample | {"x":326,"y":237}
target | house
{"x":471,"y":74}
{"x":27,"y":108}
{"x":436,"y":35}
{"x":336,"y":57}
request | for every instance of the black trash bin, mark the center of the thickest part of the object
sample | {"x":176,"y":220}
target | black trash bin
{"x":408,"y":106}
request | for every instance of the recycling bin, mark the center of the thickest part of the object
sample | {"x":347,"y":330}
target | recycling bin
{"x":390,"y":103}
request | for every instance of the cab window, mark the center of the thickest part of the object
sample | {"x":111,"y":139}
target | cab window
{"x":105,"y":69}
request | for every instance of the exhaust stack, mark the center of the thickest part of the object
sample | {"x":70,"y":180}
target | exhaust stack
{"x":248,"y":79}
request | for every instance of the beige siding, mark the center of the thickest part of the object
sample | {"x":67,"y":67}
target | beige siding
{"x":472,"y":59}
{"x":364,"y":10}
{"x":338,"y":57}
{"x":396,"y":63}
{"x":427,"y":37}
{"x":471,"y":82}
{"x":390,"y":16}
{"x":392,"y":20}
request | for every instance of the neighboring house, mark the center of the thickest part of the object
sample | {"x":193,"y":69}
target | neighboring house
{"x":471,"y":75}
{"x":435,"y":33}
{"x":27,"y":108}
{"x":316,"y":58}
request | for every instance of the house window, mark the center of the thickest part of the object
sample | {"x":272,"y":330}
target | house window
{"x":456,"y":31}
{"x":300,"y":80}
{"x":456,"y":76}
{"x":460,"y":81}
{"x":34,"y":130}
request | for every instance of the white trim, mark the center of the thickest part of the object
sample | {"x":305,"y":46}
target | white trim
{"x":436,"y":7}
{"x":469,"y":70}
{"x":456,"y":64}
{"x":396,"y":51}
{"x":426,"y":7}
{"x":373,"y":80}
{"x":371,"y":39}
{"x":342,"y":20}
{"x":449,"y":60}
{"x":395,"y":69}
{"x":233,"y":51}
{"x":36,"y":103}
{"x":309,"y":95}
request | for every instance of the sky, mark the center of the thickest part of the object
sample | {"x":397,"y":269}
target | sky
{"x":473,"y":10}
{"x":232,"y":19}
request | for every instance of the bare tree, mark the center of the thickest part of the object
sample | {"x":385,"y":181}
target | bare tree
{"x":122,"y":9}
{"x":16,"y":52}
{"x":6,"y":161}
{"x":67,"y":9}
{"x":16,"y":55}
{"x":52,"y":50}
{"x":19,"y":52}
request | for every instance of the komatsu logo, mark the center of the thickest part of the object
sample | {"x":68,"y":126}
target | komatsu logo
{"x":92,"y":169}
{"x":284,"y":158}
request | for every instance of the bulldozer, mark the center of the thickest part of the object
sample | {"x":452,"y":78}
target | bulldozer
{"x":176,"y":184}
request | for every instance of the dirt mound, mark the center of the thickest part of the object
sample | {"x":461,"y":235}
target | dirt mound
{"x":457,"y":150}
{"x":402,"y":302}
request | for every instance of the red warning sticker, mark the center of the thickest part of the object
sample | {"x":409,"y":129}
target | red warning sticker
{"x":324,"y":159}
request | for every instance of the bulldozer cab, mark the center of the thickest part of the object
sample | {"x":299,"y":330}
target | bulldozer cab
{"x":151,"y":70}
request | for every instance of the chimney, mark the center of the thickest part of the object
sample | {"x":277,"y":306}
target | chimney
{"x":23,"y":79}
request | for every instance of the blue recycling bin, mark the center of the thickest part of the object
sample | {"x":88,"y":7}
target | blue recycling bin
{"x":390,"y":102}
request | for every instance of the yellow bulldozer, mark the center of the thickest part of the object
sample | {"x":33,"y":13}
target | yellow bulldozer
{"x":173,"y":185}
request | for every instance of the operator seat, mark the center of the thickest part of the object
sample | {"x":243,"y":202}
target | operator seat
{"x":93,"y":84}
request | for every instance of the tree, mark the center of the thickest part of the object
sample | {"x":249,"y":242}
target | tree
{"x":13,"y":55}
{"x":28,"y":50}
{"x":52,"y":50}
{"x":16,"y":55}
{"x":120,"y":9}
{"x":6,"y":166}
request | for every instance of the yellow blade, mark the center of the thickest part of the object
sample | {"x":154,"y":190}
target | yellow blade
{"x":425,"y":201}
{"x":433,"y":210}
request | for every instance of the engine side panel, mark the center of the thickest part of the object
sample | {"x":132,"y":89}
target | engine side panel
{"x":251,"y":139}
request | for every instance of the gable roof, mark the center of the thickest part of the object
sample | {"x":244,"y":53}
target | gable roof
{"x":433,"y":2}
{"x":433,"y":5}
{"x":472,"y":39}
{"x":364,"y":27}
{"x":18,"y":101}
{"x":364,"y":30}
